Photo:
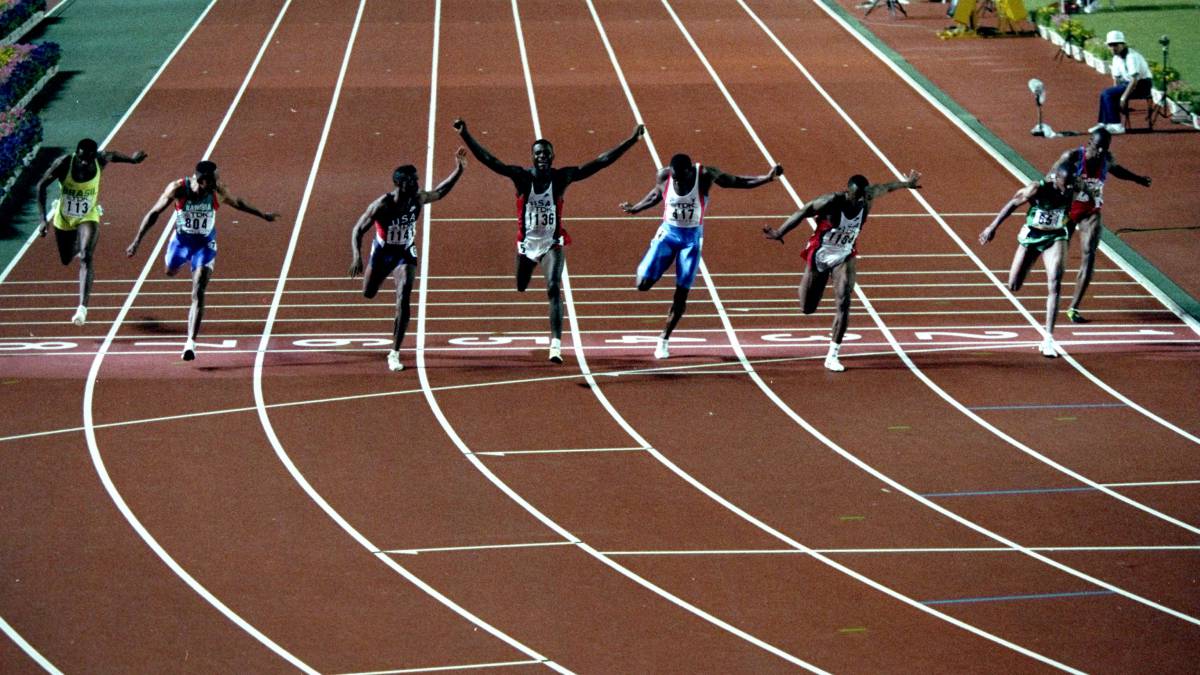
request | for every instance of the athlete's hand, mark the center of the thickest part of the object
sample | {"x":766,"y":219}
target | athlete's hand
{"x":776,"y":170}
{"x":639,"y":131}
{"x":986,"y":235}
{"x":912,"y":179}
{"x":356,"y":267}
{"x":626,"y":207}
{"x":270,"y":216}
{"x":459,"y":125}
{"x":461,"y":156}
{"x":772,"y":233}
{"x":131,"y":250}
{"x":1144,"y":181}
{"x":138,"y":157}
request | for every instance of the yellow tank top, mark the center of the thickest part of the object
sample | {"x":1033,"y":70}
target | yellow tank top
{"x":79,"y":202}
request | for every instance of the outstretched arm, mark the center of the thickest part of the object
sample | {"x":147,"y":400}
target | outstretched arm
{"x":726,"y":180}
{"x":364,"y":222}
{"x":880,"y":189}
{"x":121,"y":158}
{"x":57,"y":171}
{"x":481,"y":153}
{"x":443,"y":188}
{"x":607,"y":158}
{"x":1121,"y":172}
{"x":653,"y":197}
{"x":161,"y":205}
{"x":242,"y":205}
{"x":810,"y":209}
{"x":1023,"y":195}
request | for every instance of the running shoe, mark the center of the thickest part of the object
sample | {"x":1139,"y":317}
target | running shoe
{"x":1075,"y":317}
{"x":1047,"y":348}
{"x":555,"y":354}
{"x":80,"y":317}
{"x":662,"y":351}
{"x":832,"y":363}
{"x":189,"y":350}
{"x":393,"y":360}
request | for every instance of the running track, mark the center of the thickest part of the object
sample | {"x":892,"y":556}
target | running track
{"x":952,"y":502}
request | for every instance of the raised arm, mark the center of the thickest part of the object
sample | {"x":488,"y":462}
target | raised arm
{"x":364,"y":223}
{"x":57,"y":171}
{"x":879,"y":189}
{"x":810,"y":209}
{"x":653,"y":197}
{"x":481,"y":153}
{"x":605,"y":159}
{"x":726,"y":180}
{"x":161,"y":205}
{"x":1121,"y":172}
{"x":1023,"y":195}
{"x":242,"y":205}
{"x":446,"y":185}
{"x":121,"y":158}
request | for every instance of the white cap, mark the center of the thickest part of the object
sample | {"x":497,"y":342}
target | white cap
{"x":1114,"y":36}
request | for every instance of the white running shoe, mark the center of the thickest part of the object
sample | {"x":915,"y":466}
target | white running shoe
{"x":80,"y":317}
{"x":1047,"y":348}
{"x":832,"y":363}
{"x":393,"y":360}
{"x":1115,"y":129}
{"x":189,"y":350}
{"x":555,"y":354}
{"x":661,"y":350}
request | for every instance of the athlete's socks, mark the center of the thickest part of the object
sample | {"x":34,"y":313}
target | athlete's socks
{"x":834,"y":348}
{"x":556,"y":350}
{"x":661,"y":350}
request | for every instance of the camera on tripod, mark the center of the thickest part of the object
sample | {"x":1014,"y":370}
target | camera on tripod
{"x":1164,"y":40}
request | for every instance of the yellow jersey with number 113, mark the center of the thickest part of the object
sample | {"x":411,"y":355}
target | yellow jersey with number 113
{"x":79,"y":202}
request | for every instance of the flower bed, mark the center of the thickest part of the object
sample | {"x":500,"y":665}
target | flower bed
{"x":20,"y":135}
{"x":17,"y":17}
{"x":23,"y":70}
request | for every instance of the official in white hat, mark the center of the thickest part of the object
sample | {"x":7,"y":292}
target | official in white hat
{"x":1131,"y":80}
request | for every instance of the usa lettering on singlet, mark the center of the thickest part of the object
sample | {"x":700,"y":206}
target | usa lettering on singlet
{"x":397,"y":226}
{"x":838,"y":241}
{"x":196,"y":214}
{"x":540,"y":223}
{"x":683,"y":211}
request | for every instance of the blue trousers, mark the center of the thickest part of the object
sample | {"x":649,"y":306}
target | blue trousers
{"x":1110,"y":100}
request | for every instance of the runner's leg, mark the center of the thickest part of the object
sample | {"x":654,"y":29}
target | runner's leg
{"x":524,"y":272}
{"x":844,"y":276}
{"x":89,"y":234}
{"x":1089,"y":241}
{"x":812,"y":287}
{"x":200,"y":277}
{"x":1022,"y":262}
{"x":404,"y":283}
{"x":552,"y":268}
{"x":1053,"y":260}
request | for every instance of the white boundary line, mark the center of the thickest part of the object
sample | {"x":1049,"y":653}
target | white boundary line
{"x":1029,"y":317}
{"x":29,"y":649}
{"x":1000,"y":159}
{"x":860,"y":463}
{"x":466,"y":451}
{"x":90,"y":390}
{"x":761,"y":525}
{"x":260,"y":399}
{"x":890,"y":551}
{"x":440,"y":669}
{"x":120,"y":123}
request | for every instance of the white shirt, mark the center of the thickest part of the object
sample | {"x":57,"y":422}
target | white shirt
{"x":684,"y":211}
{"x":1132,"y":65}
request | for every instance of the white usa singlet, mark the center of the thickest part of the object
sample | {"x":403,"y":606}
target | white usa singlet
{"x":683,"y":211}
{"x":837,"y":242}
{"x":540,"y":223}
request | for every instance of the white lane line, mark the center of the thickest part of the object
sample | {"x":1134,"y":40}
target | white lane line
{"x":901,"y":353}
{"x":482,"y":547}
{"x":763,"y":526}
{"x":480,"y":466}
{"x":260,"y":398}
{"x":889,"y":551}
{"x":746,"y":365}
{"x":117,"y":127}
{"x":768,"y":216}
{"x":29,"y":649}
{"x":1000,"y":159}
{"x":440,"y":669}
{"x":507,"y":453}
{"x":1008,"y":294}
{"x":659,"y":370}
{"x":89,"y":424}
